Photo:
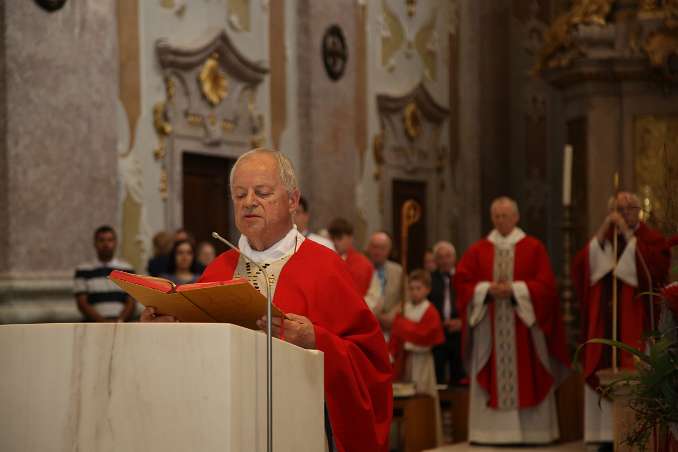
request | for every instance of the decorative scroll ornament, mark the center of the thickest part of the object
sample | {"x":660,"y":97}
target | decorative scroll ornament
{"x":392,"y":36}
{"x":411,"y":7}
{"x":378,"y":151}
{"x":412,"y":121}
{"x":560,"y":47}
{"x":661,"y":46}
{"x":213,"y":83}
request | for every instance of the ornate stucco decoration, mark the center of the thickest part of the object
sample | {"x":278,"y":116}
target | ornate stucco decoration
{"x":411,"y":127}
{"x":411,"y":7}
{"x":210,"y":108}
{"x":213,"y":82}
{"x":215,"y":89}
{"x":408,"y":147}
{"x":395,"y":37}
{"x":412,"y":121}
{"x":560,"y":46}
{"x":661,"y":45}
{"x":611,"y":40}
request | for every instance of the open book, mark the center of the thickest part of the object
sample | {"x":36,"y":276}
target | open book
{"x":234,"y":301}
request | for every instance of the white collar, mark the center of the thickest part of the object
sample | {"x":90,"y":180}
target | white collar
{"x":284,"y":247}
{"x":514,"y":237}
{"x":112,"y":263}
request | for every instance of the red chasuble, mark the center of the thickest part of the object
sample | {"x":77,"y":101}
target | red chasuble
{"x":653,"y":254}
{"x":361,"y":270}
{"x":425,"y":333}
{"x":531,"y":265}
{"x":316,"y":283}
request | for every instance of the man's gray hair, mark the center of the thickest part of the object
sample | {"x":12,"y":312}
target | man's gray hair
{"x":507,"y":200}
{"x":635,"y":200}
{"x":443,"y":245}
{"x":285,"y":168}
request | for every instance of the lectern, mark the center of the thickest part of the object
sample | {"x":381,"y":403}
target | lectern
{"x":154,"y":387}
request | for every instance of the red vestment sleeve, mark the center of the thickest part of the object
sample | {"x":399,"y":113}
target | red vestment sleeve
{"x":467,"y":275}
{"x":361,"y":270}
{"x":316,"y":283}
{"x":653,"y":258}
{"x":541,"y":283}
{"x":425,"y":333}
{"x":356,"y":366}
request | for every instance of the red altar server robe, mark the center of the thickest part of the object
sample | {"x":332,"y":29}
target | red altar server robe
{"x":427,"y":332}
{"x":361,"y":270}
{"x":316,"y":283}
{"x":651,"y":260}
{"x":531,"y":265}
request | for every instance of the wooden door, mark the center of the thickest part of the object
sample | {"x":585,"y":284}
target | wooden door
{"x":402,"y":191}
{"x":206,"y":202}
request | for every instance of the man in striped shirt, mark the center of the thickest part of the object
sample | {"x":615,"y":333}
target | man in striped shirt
{"x":97,"y":297}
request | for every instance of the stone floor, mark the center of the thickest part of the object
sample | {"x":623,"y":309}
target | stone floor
{"x":462,"y":447}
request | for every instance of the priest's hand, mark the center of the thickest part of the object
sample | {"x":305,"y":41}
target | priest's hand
{"x":150,"y":315}
{"x":500,"y":290}
{"x":295,"y":329}
{"x":618,"y":219}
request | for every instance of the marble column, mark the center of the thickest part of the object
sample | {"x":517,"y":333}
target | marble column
{"x":327,"y":110}
{"x":58,"y":160}
{"x":467,"y":170}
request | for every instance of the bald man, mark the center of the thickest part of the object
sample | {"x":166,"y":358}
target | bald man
{"x":389,"y":274}
{"x":641,"y":265}
{"x":513,"y":339}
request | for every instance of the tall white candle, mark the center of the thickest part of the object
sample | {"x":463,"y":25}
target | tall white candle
{"x":567,"y":175}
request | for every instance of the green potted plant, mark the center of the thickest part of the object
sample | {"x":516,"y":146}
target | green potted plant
{"x":651,"y":391}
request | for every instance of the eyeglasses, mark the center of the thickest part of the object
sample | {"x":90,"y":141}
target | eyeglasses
{"x":627,"y":209}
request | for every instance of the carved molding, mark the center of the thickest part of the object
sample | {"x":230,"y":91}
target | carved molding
{"x":611,"y":40}
{"x":411,"y":126}
{"x":210,"y":107}
{"x":408,"y":146}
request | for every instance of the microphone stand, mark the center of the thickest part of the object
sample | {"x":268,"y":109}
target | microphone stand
{"x":269,"y":346}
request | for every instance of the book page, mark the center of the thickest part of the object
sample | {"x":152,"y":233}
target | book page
{"x":173,"y":304}
{"x":240,"y":304}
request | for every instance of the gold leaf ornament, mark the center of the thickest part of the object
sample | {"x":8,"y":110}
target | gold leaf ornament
{"x":212,"y":80}
{"x":412,"y":121}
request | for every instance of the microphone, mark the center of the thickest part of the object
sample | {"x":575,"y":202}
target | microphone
{"x":269,"y":344}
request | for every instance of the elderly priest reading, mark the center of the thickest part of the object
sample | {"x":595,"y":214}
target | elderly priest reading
{"x":312,"y":285}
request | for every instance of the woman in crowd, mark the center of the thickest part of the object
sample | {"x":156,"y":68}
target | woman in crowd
{"x":182,"y":267}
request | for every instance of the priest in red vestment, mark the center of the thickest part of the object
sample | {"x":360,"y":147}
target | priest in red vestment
{"x":313,"y":286}
{"x":513,"y":339}
{"x":641,"y":265}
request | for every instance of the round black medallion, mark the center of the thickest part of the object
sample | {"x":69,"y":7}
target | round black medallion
{"x":51,"y":5}
{"x":335,"y":52}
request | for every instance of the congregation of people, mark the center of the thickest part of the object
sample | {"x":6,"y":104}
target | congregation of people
{"x":491,"y":321}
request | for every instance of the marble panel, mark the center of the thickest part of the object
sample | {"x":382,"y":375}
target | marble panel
{"x":154,"y":387}
{"x":61,"y":90}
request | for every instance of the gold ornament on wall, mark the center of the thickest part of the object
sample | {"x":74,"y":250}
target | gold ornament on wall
{"x":412,"y":121}
{"x":162,"y":127}
{"x":559,"y":47}
{"x":212,"y":80}
{"x":378,"y":152}
{"x":411,"y":7}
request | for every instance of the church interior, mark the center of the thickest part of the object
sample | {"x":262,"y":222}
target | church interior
{"x":409,"y":117}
